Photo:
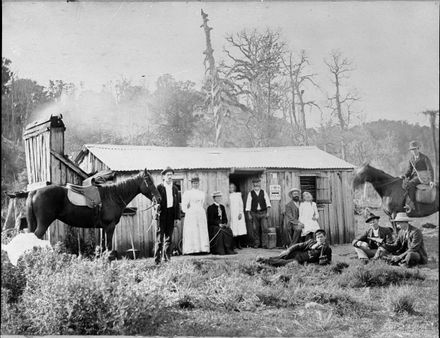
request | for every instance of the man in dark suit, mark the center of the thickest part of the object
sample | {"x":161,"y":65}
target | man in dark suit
{"x":168,"y":214}
{"x":313,"y":251}
{"x":366,"y":244}
{"x":408,"y":249}
{"x":220,"y":233}
{"x":419,"y":171}
{"x":293,"y":226}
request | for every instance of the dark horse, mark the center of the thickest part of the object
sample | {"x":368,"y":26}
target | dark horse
{"x":47,"y":204}
{"x":391,"y":191}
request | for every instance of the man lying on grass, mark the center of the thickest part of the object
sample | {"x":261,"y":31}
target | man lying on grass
{"x":408,"y":249}
{"x":313,"y":251}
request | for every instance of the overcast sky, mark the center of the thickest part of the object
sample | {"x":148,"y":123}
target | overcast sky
{"x":394,"y":45}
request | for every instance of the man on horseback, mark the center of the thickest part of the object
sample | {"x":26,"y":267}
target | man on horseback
{"x":419,"y":172}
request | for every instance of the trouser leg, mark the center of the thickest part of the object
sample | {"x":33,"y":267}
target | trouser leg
{"x":363,"y":250}
{"x":158,"y":245}
{"x":412,"y":259}
{"x":168,"y":234}
{"x":296,"y":236}
{"x":264,"y":231}
{"x":256,"y":223}
{"x":412,"y":188}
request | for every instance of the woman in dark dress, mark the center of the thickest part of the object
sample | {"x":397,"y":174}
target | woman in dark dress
{"x":220,"y":234}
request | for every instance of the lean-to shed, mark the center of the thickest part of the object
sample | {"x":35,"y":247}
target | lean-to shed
{"x":327,"y":177}
{"x":46,"y":164}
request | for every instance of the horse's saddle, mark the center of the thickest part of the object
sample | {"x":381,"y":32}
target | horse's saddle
{"x":425,"y":194}
{"x":83,"y":195}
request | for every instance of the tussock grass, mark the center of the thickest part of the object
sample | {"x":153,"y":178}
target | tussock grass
{"x":401,"y":300}
{"x":377,"y":274}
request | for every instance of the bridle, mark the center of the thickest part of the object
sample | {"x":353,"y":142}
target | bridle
{"x":153,"y":198}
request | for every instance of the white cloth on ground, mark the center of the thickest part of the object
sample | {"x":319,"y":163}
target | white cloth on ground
{"x":195,"y":236}
{"x":22,"y":243}
{"x":308,"y":210}
{"x":238,"y":226}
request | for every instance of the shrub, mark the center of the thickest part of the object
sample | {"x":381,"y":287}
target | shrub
{"x":401,"y":300}
{"x":13,"y":280}
{"x":376,"y":274}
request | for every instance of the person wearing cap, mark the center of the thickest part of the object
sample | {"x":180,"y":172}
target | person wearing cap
{"x":257,"y":204}
{"x":315,"y":251}
{"x":408,"y":249}
{"x":419,"y":171}
{"x":238,"y":225}
{"x":168,"y":214}
{"x":195,"y":238}
{"x":292,"y":224}
{"x":220,"y":234}
{"x":366,"y":244}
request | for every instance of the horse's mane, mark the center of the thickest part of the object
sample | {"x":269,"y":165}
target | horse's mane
{"x":109,"y":191}
{"x":380,"y":173}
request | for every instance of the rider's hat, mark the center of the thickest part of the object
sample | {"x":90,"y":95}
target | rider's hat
{"x":414,"y":145}
{"x":256,"y":180}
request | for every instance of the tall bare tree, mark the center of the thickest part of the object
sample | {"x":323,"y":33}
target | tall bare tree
{"x":219,"y":90}
{"x":341,"y":103}
{"x":298,"y":78}
{"x":254,"y":65}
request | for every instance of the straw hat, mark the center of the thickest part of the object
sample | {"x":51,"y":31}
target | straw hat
{"x":217,"y":194}
{"x":414,"y":145}
{"x":401,"y":217}
{"x":297,"y":190}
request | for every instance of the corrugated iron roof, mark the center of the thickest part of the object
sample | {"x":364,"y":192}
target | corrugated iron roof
{"x":128,"y":157}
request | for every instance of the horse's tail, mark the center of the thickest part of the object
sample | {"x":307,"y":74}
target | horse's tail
{"x":30,"y":215}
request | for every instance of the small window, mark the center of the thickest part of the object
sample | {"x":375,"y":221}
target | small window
{"x":308,"y":183}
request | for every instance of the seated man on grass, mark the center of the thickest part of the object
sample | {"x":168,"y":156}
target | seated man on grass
{"x":367,"y":243}
{"x":408,"y":249}
{"x":313,"y":251}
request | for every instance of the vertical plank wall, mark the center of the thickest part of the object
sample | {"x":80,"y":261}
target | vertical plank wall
{"x":335,"y":214}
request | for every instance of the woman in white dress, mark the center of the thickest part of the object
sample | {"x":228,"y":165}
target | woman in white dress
{"x":308,"y":215}
{"x":238,"y":224}
{"x":195,"y":237}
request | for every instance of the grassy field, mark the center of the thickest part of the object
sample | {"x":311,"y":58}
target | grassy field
{"x":56,"y":293}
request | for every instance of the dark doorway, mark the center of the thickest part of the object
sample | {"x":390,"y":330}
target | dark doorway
{"x":243,"y":182}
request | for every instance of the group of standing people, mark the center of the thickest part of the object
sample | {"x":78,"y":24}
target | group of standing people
{"x":207,"y":231}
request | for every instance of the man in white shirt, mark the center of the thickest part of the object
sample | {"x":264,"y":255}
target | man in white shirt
{"x":169,"y":213}
{"x":257,"y":205}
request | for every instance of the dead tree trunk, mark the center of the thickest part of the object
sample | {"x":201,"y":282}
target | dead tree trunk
{"x":214,"y":79}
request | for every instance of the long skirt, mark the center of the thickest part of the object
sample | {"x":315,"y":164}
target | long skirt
{"x":195,"y":237}
{"x":221,"y":240}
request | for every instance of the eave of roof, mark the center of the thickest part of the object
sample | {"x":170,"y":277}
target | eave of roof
{"x":130,"y":158}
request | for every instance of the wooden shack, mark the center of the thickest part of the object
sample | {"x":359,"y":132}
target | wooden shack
{"x":327,"y":177}
{"x":46,"y":164}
